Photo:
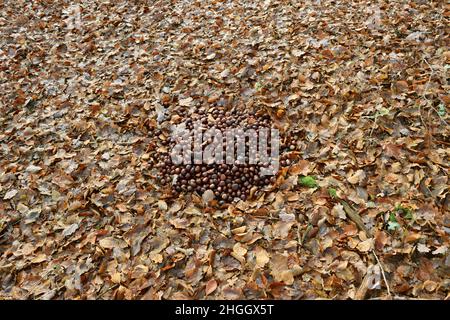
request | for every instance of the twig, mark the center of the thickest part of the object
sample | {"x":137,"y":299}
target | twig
{"x":362,"y":290}
{"x":357,"y":219}
{"x":374,"y":124}
{"x":305,"y":235}
{"x":354,"y":216}
{"x":382,"y":273}
{"x":107,"y":289}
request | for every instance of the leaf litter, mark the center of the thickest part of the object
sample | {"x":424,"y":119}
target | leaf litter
{"x":360,"y":88}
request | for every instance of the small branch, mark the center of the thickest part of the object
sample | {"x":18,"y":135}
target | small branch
{"x":107,"y":289}
{"x":354,"y":216}
{"x":305,"y":234}
{"x":382,"y":273}
{"x":362,"y":290}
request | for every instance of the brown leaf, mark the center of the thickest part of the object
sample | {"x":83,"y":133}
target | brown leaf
{"x":211,"y":286}
{"x":380,"y":240}
{"x":402,"y":86}
{"x":262,"y":257}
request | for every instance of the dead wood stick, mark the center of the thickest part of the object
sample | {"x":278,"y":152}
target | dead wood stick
{"x":354,"y":216}
{"x":382,"y":273}
{"x":362,"y":290}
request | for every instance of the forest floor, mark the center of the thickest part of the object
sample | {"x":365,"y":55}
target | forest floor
{"x":361,"y":86}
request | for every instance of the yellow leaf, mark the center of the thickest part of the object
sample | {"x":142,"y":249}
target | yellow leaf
{"x":115,"y":278}
{"x":262,"y":257}
{"x":365,"y":246}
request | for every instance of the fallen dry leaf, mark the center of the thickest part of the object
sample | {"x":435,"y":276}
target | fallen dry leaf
{"x":92,"y":90}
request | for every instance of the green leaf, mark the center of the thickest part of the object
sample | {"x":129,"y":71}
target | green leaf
{"x":258,"y":86}
{"x":332,"y":192}
{"x":393,"y":225}
{"x":308,"y":181}
{"x":442,"y":111}
{"x":404,"y":211}
{"x":392,"y":217}
{"x":383,"y":112}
